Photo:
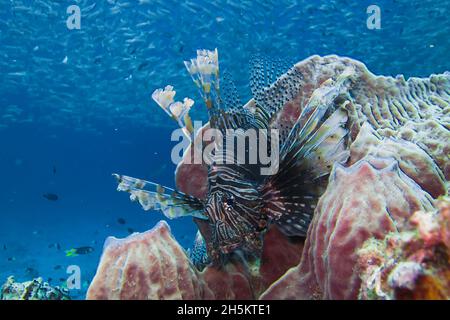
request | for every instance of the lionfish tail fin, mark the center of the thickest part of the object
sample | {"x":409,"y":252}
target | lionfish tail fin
{"x":317,"y":140}
{"x":178,"y":111}
{"x":152,"y":196}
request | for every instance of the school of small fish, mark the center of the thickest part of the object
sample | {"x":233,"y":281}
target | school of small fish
{"x":100,"y":76}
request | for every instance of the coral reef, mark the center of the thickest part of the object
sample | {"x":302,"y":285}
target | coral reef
{"x":412,"y":159}
{"x":414,"y":110}
{"x":152,"y":265}
{"x":398,"y":163}
{"x":368,"y":199}
{"x":36,"y":289}
{"x":412,"y":264}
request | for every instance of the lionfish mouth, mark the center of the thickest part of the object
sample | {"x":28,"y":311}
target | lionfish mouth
{"x":248,"y":242}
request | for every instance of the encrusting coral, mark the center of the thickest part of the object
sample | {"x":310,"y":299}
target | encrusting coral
{"x":412,"y":264}
{"x":36,"y":289}
{"x":397,"y":164}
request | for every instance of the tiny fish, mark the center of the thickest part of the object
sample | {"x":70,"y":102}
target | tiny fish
{"x":79,"y":251}
{"x":130,"y":230}
{"x":58,"y":267}
{"x":121,"y":221}
{"x":51,"y":196}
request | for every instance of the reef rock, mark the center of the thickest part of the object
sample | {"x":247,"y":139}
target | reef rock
{"x":36,"y":289}
{"x":368,"y":199}
{"x":152,"y":265}
{"x":412,"y":264}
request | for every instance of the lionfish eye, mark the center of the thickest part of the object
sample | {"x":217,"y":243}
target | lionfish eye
{"x":229,"y":201}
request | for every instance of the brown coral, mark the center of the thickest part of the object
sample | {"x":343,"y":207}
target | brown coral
{"x":412,"y":264}
{"x":152,"y":265}
{"x":368,"y":199}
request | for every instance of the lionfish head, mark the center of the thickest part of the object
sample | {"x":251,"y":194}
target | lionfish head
{"x":236,"y":223}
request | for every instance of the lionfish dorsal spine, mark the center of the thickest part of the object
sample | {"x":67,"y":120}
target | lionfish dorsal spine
{"x":204,"y":70}
{"x":177,"y":110}
{"x":273,"y":83}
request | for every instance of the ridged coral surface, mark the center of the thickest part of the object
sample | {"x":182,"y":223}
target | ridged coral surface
{"x":412,"y":159}
{"x":368,"y":199}
{"x":152,"y":265}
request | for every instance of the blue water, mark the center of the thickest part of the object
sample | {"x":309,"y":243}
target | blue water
{"x":75,"y":104}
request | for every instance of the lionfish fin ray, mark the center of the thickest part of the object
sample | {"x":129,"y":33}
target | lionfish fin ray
{"x":273,"y":83}
{"x":229,"y":113}
{"x":152,"y":196}
{"x":291,"y":206}
{"x":316,"y":141}
{"x":177,"y":110}
{"x":320,"y":108}
{"x":204,"y":70}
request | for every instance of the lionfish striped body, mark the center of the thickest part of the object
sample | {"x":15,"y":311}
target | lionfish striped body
{"x":241,"y":203}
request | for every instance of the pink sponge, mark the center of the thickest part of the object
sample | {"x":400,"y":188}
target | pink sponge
{"x":367,"y":199}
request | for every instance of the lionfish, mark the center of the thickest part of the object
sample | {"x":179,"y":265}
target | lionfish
{"x":242,"y":203}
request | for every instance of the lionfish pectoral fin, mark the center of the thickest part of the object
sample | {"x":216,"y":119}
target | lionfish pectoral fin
{"x":315,"y":143}
{"x":153,"y":196}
